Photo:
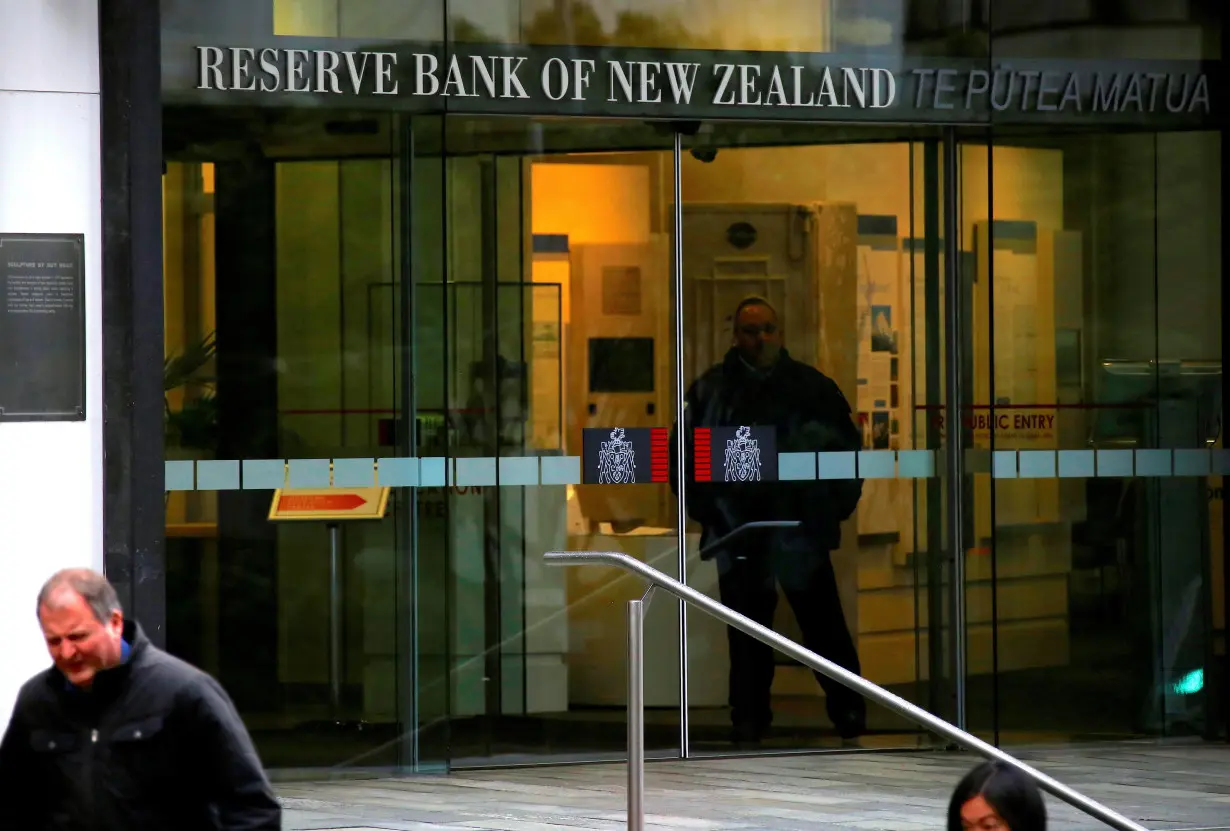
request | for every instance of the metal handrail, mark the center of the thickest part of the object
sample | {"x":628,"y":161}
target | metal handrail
{"x":881,"y":696}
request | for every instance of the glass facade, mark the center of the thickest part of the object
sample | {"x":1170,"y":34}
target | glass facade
{"x":414,"y":341}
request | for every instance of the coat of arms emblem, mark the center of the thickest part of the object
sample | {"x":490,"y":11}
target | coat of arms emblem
{"x":616,"y":460}
{"x":743,"y":457}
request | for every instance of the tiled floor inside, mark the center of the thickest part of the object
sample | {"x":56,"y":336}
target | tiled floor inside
{"x":1164,"y":787}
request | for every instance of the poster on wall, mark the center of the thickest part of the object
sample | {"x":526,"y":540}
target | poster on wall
{"x":42,"y":327}
{"x":879,"y":380}
{"x":878,"y":285}
{"x":880,"y":430}
{"x":883,"y":338}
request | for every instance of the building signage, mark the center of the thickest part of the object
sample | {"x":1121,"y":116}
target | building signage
{"x":497,"y":77}
{"x":478,"y":78}
{"x":1057,"y":91}
{"x":329,"y":504}
{"x":625,"y":456}
{"x":1007,"y":424}
{"x":735,"y":454}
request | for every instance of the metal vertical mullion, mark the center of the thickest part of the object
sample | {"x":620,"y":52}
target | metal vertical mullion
{"x":955,"y":404}
{"x":681,"y":443}
{"x":406,"y":440}
{"x":932,"y":311}
{"x":448,"y":308}
{"x":489,"y":297}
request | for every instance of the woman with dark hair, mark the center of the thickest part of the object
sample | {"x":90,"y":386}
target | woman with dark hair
{"x":996,"y":797}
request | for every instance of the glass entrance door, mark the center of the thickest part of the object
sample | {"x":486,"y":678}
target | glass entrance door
{"x":1094,"y":575}
{"x":483,"y":316}
{"x":284,"y":381}
{"x":547,"y":387}
{"x":812,"y":299}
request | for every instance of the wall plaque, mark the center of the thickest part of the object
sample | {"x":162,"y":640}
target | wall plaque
{"x":42,"y":327}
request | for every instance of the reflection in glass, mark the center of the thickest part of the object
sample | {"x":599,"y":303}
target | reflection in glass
{"x":845,"y":26}
{"x":1096,"y":282}
{"x":547,"y":332}
{"x":806,"y":259}
{"x":758,"y":382}
{"x":281,"y":345}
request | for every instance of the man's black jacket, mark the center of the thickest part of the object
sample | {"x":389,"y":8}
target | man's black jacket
{"x":810,"y":414}
{"x":155,"y":744}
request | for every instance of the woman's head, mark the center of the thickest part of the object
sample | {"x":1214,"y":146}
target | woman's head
{"x":996,"y":797}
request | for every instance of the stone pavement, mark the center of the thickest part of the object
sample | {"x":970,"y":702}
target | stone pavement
{"x":1165,"y":787}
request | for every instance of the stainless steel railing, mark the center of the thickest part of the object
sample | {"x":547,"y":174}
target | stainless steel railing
{"x":881,"y":696}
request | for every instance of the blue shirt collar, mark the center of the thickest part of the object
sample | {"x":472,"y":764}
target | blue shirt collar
{"x":125,"y":654}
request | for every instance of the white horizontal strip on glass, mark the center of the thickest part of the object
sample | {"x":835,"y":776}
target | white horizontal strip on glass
{"x":391,"y":472}
{"x":434,"y":472}
{"x":355,"y":473}
{"x":309,"y":473}
{"x":864,"y":464}
{"x":516,"y":471}
{"x":396,"y":473}
{"x":793,"y":467}
{"x":1077,"y":464}
{"x":1085,"y":464}
{"x":561,"y":470}
{"x":263,"y":474}
{"x":915,"y":464}
{"x":476,"y":473}
{"x":530,"y":471}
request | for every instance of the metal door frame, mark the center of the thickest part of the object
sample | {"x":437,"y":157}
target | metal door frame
{"x":948,"y":495}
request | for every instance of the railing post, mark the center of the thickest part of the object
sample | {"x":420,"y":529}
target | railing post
{"x":636,"y":715}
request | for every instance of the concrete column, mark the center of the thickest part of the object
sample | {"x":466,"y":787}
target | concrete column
{"x":50,"y":473}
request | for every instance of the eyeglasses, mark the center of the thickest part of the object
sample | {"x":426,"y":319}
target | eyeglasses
{"x":752,"y":330}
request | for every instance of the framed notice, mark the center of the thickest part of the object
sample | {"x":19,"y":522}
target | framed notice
{"x":42,"y":327}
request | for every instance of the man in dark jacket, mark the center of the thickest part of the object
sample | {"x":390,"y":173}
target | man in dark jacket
{"x":120,"y":735}
{"x":759,"y":384}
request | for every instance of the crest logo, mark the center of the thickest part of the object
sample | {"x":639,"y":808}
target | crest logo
{"x":616,"y":460}
{"x":743,"y":457}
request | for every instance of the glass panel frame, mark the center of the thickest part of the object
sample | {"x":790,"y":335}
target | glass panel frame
{"x":281,"y":360}
{"x":531,"y":206}
{"x":1121,"y":238}
{"x":973,"y":485}
{"x":920,"y":161}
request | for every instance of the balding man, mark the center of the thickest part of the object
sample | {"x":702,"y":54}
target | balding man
{"x":118,"y":734}
{"x":759,"y":384}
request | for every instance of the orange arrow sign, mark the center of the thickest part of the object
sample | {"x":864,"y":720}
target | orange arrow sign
{"x":329,"y":504}
{"x":321,"y":502}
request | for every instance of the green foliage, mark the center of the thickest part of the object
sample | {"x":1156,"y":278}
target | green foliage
{"x":195,"y":424}
{"x":182,"y":369}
